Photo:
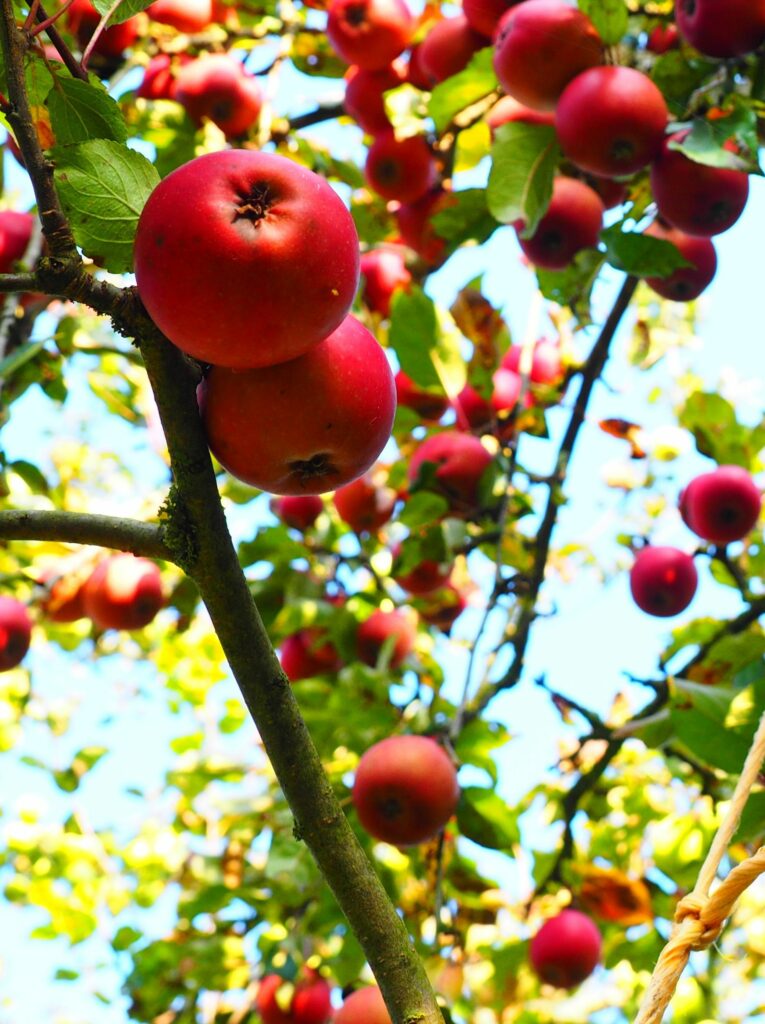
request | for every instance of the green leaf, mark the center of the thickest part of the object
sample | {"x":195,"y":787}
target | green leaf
{"x":103,"y":187}
{"x":18,"y":357}
{"x":524,"y":158}
{"x":639,"y":254}
{"x":573,"y":286}
{"x":32,"y":476}
{"x":715,"y":723}
{"x":712,"y":421}
{"x":80,"y":111}
{"x":125,"y":10}
{"x":610,"y":18}
{"x":65,"y":974}
{"x":486,"y":819}
{"x":414,"y":335}
{"x":451,"y":97}
{"x":477,"y":742}
{"x":752,"y":824}
{"x":705,"y":142}
{"x":125,"y":937}
{"x":678,"y":75}
{"x":465,"y":218}
{"x":423,"y":508}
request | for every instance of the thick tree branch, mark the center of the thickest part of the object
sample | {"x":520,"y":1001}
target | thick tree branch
{"x":83,"y":528}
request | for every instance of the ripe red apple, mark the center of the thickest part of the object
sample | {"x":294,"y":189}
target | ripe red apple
{"x":484,"y":15}
{"x":546,"y":365}
{"x":402,"y":169}
{"x":308,"y":653}
{"x":443,"y":607}
{"x":448,"y":47}
{"x":611,"y":120}
{"x":364,"y":505}
{"x":365,"y":95}
{"x":370,"y":33}
{"x":722,"y":28}
{"x":423,"y":578}
{"x":310,"y":1001}
{"x":662,"y":39}
{"x":721,"y":506}
{"x":508,"y":110}
{"x":364,"y":1006}
{"x":416,"y":74}
{"x":82,"y":19}
{"x":473,"y":411}
{"x":15,"y":632}
{"x":123,"y":592}
{"x":328,"y":415}
{"x":300,"y":511}
{"x":572,"y":222}
{"x":428,"y":405}
{"x":566,"y":949}
{"x":245,"y":259}
{"x":377,"y":629}
{"x":685,"y":283}
{"x":697,"y":198}
{"x":460,"y":461}
{"x":406,"y":790}
{"x":15,"y":234}
{"x":415,"y":225}
{"x":383,"y":271}
{"x":183,"y":15}
{"x":663,"y":580}
{"x":63,"y":599}
{"x":160,"y":76}
{"x":539,"y":46}
{"x":217,"y":87}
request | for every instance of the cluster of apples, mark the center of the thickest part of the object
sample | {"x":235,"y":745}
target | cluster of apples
{"x":720,"y":507}
{"x":249,"y":263}
{"x":121,"y":592}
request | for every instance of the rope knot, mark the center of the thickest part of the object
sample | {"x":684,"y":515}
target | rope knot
{"x":702,"y":927}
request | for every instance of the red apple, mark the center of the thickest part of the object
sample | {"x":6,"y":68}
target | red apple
{"x":722,"y":28}
{"x":697,"y":198}
{"x":364,"y":505}
{"x":484,"y":15}
{"x":217,"y":87}
{"x":380,"y":627}
{"x":123,"y":592}
{"x":183,"y":15}
{"x":566,"y":949}
{"x":415,"y":225}
{"x":406,"y":790}
{"x":15,"y":235}
{"x":423,"y":578}
{"x":428,"y":405}
{"x":416,"y":74}
{"x":370,"y":33}
{"x":364,"y":1006}
{"x":443,"y":607}
{"x":721,"y":506}
{"x":307,"y":1002}
{"x":15,"y":632}
{"x":685,"y":283}
{"x":448,"y":47}
{"x":572,"y":222}
{"x":473,"y":411}
{"x":63,"y":599}
{"x":308,"y":653}
{"x":383,"y":271}
{"x":611,"y":121}
{"x":508,"y":110}
{"x":402,"y":169}
{"x":327,"y":414}
{"x":160,"y":76}
{"x":300,"y":511}
{"x":365,"y":95}
{"x":663,"y":580}
{"x":82,"y":19}
{"x":662,"y":39}
{"x":539,"y":46}
{"x":460,"y":461}
{"x":546,"y":365}
{"x":245,"y":259}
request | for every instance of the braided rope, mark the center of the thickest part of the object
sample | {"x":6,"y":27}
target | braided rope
{"x":699,"y":917}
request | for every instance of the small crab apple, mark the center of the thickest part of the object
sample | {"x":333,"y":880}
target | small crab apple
{"x":662,"y":39}
{"x":228,"y":243}
{"x":611,"y":121}
{"x":416,"y":227}
{"x":663,"y":580}
{"x":370,"y":33}
{"x":300,"y":511}
{"x":374,"y":632}
{"x":722,"y":28}
{"x":697,"y":198}
{"x":329,"y":414}
{"x":365,"y":505}
{"x":573,"y":222}
{"x":15,"y":234}
{"x":364,"y":1006}
{"x":123,"y":592}
{"x":183,"y":15}
{"x":306,"y":1002}
{"x":721,"y":506}
{"x":566,"y":949}
{"x":401,"y":169}
{"x":428,"y":405}
{"x":546,"y":364}
{"x":365,"y":95}
{"x":383,"y":271}
{"x":217,"y":87}
{"x":685,"y":283}
{"x":459,"y":462}
{"x":539,"y":46}
{"x":308,"y":653}
{"x":448,"y":47}
{"x":405,"y":790}
{"x":15,"y":632}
